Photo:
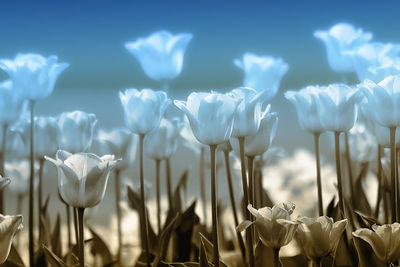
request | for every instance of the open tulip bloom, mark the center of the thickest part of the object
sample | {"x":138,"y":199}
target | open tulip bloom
{"x":9,"y":226}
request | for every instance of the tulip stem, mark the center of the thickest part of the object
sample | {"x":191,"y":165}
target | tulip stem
{"x":40,"y":201}
{"x":169,"y":184}
{"x":203,"y":185}
{"x":379,"y":176}
{"x":319,"y":184}
{"x":277,"y":263}
{"x":317,"y":262}
{"x":214,"y":206}
{"x":250,"y":160}
{"x":349,"y":168}
{"x":118,"y":210}
{"x":339,"y":172}
{"x":145,"y":232}
{"x":81,"y":212}
{"x":20,"y":199}
{"x":2,"y":173}
{"x":157,"y":161}
{"x":249,"y":236}
{"x":393,"y":173}
{"x":31,"y":184}
{"x":76,"y":225}
{"x":260,"y":183}
{"x":68,"y":215}
{"x":232,"y":198}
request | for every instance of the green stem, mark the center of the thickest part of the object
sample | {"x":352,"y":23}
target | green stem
{"x":249,"y":236}
{"x":81,"y":212}
{"x":339,"y":172}
{"x":118,"y":210}
{"x":2,"y":173}
{"x":393,"y":173}
{"x":158,"y":195}
{"x":169,"y":183}
{"x":319,"y":184}
{"x":40,"y":200}
{"x":277,"y":263}
{"x":203,"y":185}
{"x":349,"y":168}
{"x":232,"y":198}
{"x":214,"y":206}
{"x":31,"y":185}
{"x":143,"y":206}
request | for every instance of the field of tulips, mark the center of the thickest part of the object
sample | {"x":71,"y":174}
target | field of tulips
{"x":353,"y":220}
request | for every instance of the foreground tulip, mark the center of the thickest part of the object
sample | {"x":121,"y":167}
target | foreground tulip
{"x":319,"y":237}
{"x":211,"y":118}
{"x":161,"y":54}
{"x":384,"y":241}
{"x":9,"y":226}
{"x":262,"y":73}
{"x":340,"y":38}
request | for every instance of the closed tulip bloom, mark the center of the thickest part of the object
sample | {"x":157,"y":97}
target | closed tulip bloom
{"x":82,"y":177}
{"x":339,"y":39}
{"x":306,"y":107}
{"x":259,"y":142}
{"x":337,"y":108}
{"x":274,"y":227}
{"x":384,"y":100}
{"x":319,"y":237}
{"x":249,"y":112}
{"x":76,"y":131}
{"x":162,"y":142}
{"x":143,"y":109}
{"x":384,"y":241}
{"x":210,"y":116}
{"x":11,"y":105}
{"x":262,"y":73}
{"x":9,"y":226}
{"x":4,"y":182}
{"x":161,"y":54}
{"x":33,"y":75}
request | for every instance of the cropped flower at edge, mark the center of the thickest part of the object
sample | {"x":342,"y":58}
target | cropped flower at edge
{"x":9,"y":226}
{"x":33,"y":75}
{"x":4,"y":181}
{"x":82,"y":177}
{"x":161,"y":54}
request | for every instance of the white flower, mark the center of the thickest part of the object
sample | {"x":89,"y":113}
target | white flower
{"x":189,"y":139}
{"x":9,"y":226}
{"x":362,"y":143}
{"x":143,"y":109}
{"x":161,"y":54}
{"x":33,"y":75}
{"x":11,"y":105}
{"x":262,"y":73}
{"x":340,"y":38}
{"x":4,"y":182}
{"x":82,"y":177}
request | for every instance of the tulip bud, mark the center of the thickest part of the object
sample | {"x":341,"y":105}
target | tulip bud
{"x":9,"y":226}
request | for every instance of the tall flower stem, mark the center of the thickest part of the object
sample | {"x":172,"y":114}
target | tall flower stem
{"x":393,"y":173}
{"x":203,"y":185}
{"x":339,"y":172}
{"x":379,"y":176}
{"x":319,"y":184}
{"x":250,"y":161}
{"x":232,"y":198}
{"x":169,"y":183}
{"x":260,"y":183}
{"x":277,"y":263}
{"x":118,"y":210}
{"x":81,"y":212}
{"x":20,"y":199}
{"x":68,"y":215}
{"x":214,"y":206}
{"x":76,"y":226}
{"x":31,"y":184}
{"x":40,"y":199}
{"x":157,"y":161}
{"x":2,"y":173}
{"x":349,"y":167}
{"x":317,"y":262}
{"x":249,"y":236}
{"x":145,"y":231}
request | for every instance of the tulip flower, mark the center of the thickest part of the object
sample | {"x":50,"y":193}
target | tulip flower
{"x":262,"y":73}
{"x":319,"y":237}
{"x":9,"y":226}
{"x":76,"y":131}
{"x":161,"y":54}
{"x":340,"y":38}
{"x":384,"y":241}
{"x":33,"y":75}
{"x":362,"y":143}
{"x":11,"y":105}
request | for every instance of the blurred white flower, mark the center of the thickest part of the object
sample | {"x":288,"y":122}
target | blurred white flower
{"x":33,"y":75}
{"x":143,"y":109}
{"x":162,"y":142}
{"x":82,"y":177}
{"x":262,"y":73}
{"x":306,"y":107}
{"x":337,"y":108}
{"x":226,"y":146}
{"x":362,"y":143}
{"x":9,"y":226}
{"x":340,"y":38}
{"x":161,"y":54}
{"x":11,"y":105}
{"x":259,"y":142}
{"x":19,"y":173}
{"x":76,"y":131}
{"x":4,"y":181}
{"x":189,"y":139}
{"x":210,"y":116}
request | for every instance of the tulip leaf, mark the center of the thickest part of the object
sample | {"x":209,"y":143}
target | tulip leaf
{"x":52,"y":258}
{"x":362,"y":203}
{"x":165,"y":237}
{"x":209,"y":250}
{"x":99,"y":247}
{"x":203,"y":255}
{"x":366,"y":221}
{"x":243,"y":226}
{"x":14,"y":259}
{"x":56,"y":244}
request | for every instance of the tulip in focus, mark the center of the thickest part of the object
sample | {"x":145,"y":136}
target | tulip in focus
{"x":9,"y":226}
{"x":161,"y":54}
{"x":76,"y":131}
{"x":339,"y":39}
{"x":262,"y":73}
{"x":33,"y":76}
{"x":82,"y":177}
